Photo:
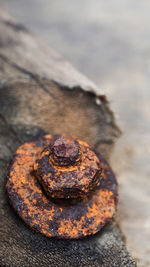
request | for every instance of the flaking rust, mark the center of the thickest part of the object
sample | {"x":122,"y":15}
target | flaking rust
{"x":61,"y":188}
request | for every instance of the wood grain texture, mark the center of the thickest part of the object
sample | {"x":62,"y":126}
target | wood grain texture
{"x":40,"y":93}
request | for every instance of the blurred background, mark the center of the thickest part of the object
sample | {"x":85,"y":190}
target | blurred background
{"x":109,"y":41}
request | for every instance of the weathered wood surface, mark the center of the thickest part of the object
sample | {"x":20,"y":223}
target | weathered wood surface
{"x":40,"y":93}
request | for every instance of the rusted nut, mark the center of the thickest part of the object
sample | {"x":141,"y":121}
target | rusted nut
{"x":68,"y":169}
{"x":61,"y":188}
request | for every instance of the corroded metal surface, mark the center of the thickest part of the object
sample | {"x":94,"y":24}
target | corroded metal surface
{"x":68,"y":168}
{"x":59,"y":218}
{"x":66,"y":151}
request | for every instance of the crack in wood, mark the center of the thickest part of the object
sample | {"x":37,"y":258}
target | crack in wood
{"x":26,"y":72}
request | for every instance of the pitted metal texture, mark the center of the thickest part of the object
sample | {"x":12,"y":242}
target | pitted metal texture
{"x":92,"y":204}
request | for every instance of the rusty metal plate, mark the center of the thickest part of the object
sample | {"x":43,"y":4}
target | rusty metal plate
{"x":59,"y":218}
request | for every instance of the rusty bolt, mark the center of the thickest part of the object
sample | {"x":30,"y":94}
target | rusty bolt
{"x":61,"y":188}
{"x":66,"y":151}
{"x":67,"y":169}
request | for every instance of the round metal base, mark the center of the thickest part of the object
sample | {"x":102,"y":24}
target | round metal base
{"x":68,"y":219}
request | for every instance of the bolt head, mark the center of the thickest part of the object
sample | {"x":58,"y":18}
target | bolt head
{"x":66,"y":151}
{"x":68,"y":168}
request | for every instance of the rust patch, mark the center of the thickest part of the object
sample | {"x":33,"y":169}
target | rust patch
{"x":65,"y":152}
{"x":85,"y":184}
{"x":68,"y":168}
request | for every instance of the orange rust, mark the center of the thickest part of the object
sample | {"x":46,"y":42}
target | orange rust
{"x":76,"y":174}
{"x":94,"y":203}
